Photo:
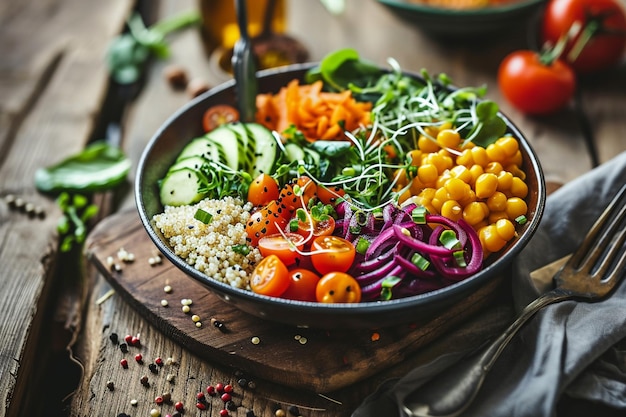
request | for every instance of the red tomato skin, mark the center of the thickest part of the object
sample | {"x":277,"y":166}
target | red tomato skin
{"x":603,"y":50}
{"x":302,"y":286}
{"x":335,"y":254}
{"x":266,"y":221}
{"x":270,"y":277}
{"x":277,"y":245}
{"x":218,"y":115}
{"x":533,"y":87}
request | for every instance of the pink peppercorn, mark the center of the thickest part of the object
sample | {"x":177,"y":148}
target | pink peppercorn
{"x":139,"y":358}
{"x":201,"y":406}
{"x":228,"y":388}
{"x":200,"y":396}
{"x":159,"y":361}
{"x":158,"y":400}
{"x":219,"y":387}
{"x":128,"y":339}
{"x":179,"y":406}
{"x":124,"y":363}
{"x":135,"y":341}
{"x":210,"y":390}
{"x":224,"y":413}
{"x":226,"y":397}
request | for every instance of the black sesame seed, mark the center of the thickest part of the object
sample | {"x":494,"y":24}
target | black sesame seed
{"x":124,"y":347}
{"x":114,"y":338}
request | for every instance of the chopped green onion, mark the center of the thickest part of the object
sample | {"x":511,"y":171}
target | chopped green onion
{"x":293,"y":225}
{"x":355,"y":230}
{"x":419,"y":215}
{"x":521,"y":219}
{"x":420,"y":262}
{"x":459,"y":257}
{"x":241,"y":249}
{"x":449,"y":240}
{"x":203,"y":216}
{"x":361,"y":245}
{"x":387,"y":284}
{"x":301,"y":215}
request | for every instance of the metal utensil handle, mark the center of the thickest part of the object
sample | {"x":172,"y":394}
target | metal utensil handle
{"x":455,"y":389}
{"x":244,"y":67}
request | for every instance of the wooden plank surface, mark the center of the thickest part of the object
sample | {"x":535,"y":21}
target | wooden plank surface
{"x":51,"y":53}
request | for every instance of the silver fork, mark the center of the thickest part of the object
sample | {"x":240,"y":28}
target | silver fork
{"x":590,"y":274}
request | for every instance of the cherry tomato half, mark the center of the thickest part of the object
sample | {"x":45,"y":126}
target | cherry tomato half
{"x":534,"y":87}
{"x":603,"y":20}
{"x":324,"y":227}
{"x":282,"y":246}
{"x":297,"y":194}
{"x":332,"y":254}
{"x":303,"y":285}
{"x":218,"y":115}
{"x":270,"y":277}
{"x":264,"y":222}
{"x":330,"y":195}
{"x":338,"y":287}
{"x":263,"y":190}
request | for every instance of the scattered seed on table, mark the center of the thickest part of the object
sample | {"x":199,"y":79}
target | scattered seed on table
{"x":158,"y":400}
{"x":200,"y":396}
{"x":110,"y":385}
{"x":144,"y":381}
{"x":167,"y":397}
{"x":135,"y":341}
{"x":124,"y":363}
{"x":155,"y":413}
{"x":164,"y":303}
{"x":226,"y":397}
{"x":159,"y":361}
{"x":179,"y":406}
{"x":186,"y":301}
{"x":198,"y":324}
{"x":210,"y":390}
{"x":195,"y":318}
{"x":114,"y":338}
{"x":224,"y":413}
{"x":128,"y":339}
{"x":110,"y":262}
{"x":250,"y":413}
{"x":242,"y":382}
{"x":280,"y":413}
{"x":124,"y":347}
{"x":255,"y":340}
{"x":201,"y":406}
{"x":170,"y":377}
{"x":167,"y":289}
{"x":302,"y":340}
{"x":231,"y":406}
{"x":293,"y":410}
{"x":134,"y":402}
{"x":153,"y":368}
{"x":139,"y":358}
{"x":186,"y":309}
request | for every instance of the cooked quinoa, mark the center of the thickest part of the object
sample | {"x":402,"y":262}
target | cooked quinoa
{"x":209,"y":247}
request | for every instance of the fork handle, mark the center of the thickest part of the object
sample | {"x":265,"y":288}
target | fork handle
{"x":451,"y":392}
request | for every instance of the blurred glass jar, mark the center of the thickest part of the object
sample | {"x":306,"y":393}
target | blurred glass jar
{"x":220,"y":29}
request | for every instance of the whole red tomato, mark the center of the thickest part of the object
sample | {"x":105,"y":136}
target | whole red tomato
{"x":603,"y":22}
{"x":534,"y":86}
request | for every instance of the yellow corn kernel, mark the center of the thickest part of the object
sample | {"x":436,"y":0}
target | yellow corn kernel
{"x":427,"y":194}
{"x":465,"y":158}
{"x":447,"y":160}
{"x":515,"y":207}
{"x":509,"y":145}
{"x":494,"y":216}
{"x":518,"y":188}
{"x":470,"y":197}
{"x":474,"y":213}
{"x":441,"y":194}
{"x":516,"y":171}
{"x":457,"y":188}
{"x":495,"y":153}
{"x":414,"y":157}
{"x":416,"y":186}
{"x":405,"y":195}
{"x":448,"y":138}
{"x":425,"y":144}
{"x":486,"y":185}
{"x":428,"y":174}
{"x":494,"y":167}
{"x":490,"y":239}
{"x":467,"y":145}
{"x":497,"y":201}
{"x":437,"y":160}
{"x":452,"y":210}
{"x":505,"y":180}
{"x":479,"y":154}
{"x":476,"y":170}
{"x":506,"y":229}
{"x":443,"y":178}
{"x":516,"y":159}
{"x":461,"y":172}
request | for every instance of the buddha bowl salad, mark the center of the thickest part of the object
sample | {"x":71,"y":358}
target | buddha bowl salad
{"x":356,"y":184}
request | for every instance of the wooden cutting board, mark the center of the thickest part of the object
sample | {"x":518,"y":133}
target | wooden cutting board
{"x":312,"y":359}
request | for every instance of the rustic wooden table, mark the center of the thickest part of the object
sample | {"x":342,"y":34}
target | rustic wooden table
{"x":55,"y":353}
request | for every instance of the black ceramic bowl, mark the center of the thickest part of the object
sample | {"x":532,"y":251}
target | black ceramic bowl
{"x":458,"y":23}
{"x":185,"y":125}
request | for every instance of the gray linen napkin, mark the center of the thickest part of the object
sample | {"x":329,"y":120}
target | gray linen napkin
{"x":572,"y":348}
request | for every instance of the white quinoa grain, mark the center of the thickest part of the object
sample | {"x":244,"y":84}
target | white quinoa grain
{"x":209,"y":247}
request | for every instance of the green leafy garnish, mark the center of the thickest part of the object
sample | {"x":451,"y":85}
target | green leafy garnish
{"x":128,"y":52}
{"x":72,"y":225}
{"x":98,"y":167}
{"x":387,"y":284}
{"x":203,"y":216}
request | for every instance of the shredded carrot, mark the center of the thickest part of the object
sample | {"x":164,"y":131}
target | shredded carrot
{"x":316,"y":113}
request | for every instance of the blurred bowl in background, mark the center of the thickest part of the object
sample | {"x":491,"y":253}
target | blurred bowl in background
{"x":455,"y":22}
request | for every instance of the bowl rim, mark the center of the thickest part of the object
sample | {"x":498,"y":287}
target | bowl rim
{"x":432,"y":11}
{"x":365,"y":308}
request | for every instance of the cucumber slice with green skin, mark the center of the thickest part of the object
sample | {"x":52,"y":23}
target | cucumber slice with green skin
{"x":193,"y":162}
{"x":202,"y":147}
{"x":246,"y":143}
{"x":181,"y":187}
{"x":228,"y":140}
{"x":265,"y":151}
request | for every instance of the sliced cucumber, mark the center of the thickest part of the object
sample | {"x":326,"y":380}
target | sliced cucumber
{"x":246,"y":152}
{"x":265,"y":150}
{"x":294,"y":152}
{"x":202,"y":147}
{"x":182,"y":187}
{"x":228,"y":140}
{"x":193,"y":162}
